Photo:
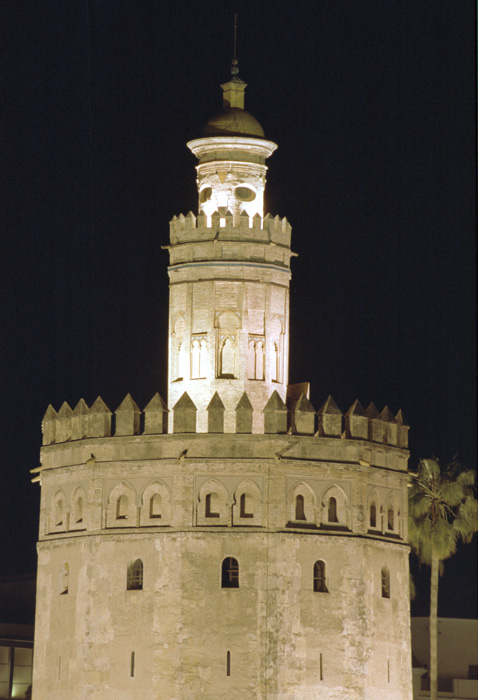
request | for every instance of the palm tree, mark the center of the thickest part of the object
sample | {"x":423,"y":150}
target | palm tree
{"x":442,"y":510}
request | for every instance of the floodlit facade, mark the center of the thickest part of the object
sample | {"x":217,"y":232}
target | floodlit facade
{"x":232,"y":542}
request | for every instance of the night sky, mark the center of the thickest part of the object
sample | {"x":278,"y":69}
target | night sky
{"x":372,"y":104}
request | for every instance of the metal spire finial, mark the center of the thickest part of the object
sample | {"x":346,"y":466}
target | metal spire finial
{"x":234,"y":63}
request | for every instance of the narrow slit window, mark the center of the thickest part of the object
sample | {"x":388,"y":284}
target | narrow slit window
{"x":79,"y":510}
{"x":211,"y":499}
{"x":321,"y":668}
{"x":132,"y":665}
{"x":390,"y":519}
{"x":320,"y":583}
{"x":134,"y":580}
{"x":385,"y":582}
{"x":332,"y":511}
{"x":243,"y":510}
{"x":373,"y":515}
{"x":230,"y":573}
{"x":65,"y":579}
{"x":228,"y":663}
{"x":299,"y":508}
{"x":59,"y":513}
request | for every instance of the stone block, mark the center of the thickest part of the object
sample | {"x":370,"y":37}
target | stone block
{"x":63,"y":423}
{"x":356,"y":422}
{"x":390,"y":427}
{"x":127,"y":417}
{"x":215,"y":415}
{"x":156,"y":416}
{"x":402,"y":430}
{"x":375,"y":424}
{"x":99,"y":419}
{"x":244,"y":415}
{"x":184,"y":415}
{"x":330,"y":419}
{"x":48,"y":426}
{"x":79,"y":420}
{"x":303,"y":417}
{"x":275,"y":415}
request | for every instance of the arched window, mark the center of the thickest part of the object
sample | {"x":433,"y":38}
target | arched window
{"x":155,"y":506}
{"x":385,"y":582}
{"x":228,"y":663}
{"x":64,"y":579}
{"x":390,"y":519}
{"x":134,"y":578}
{"x":259,"y":359}
{"x":211,"y":503}
{"x":59,"y":514}
{"x":202,"y":357}
{"x":320,"y":584}
{"x":78,"y":513}
{"x":243,"y":510}
{"x":122,"y":508}
{"x":181,"y":360}
{"x":299,"y":508}
{"x":275,"y":363}
{"x":332,"y":510}
{"x":373,"y":515}
{"x":195,"y":350}
{"x":230,"y":573}
{"x":227,"y":358}
{"x":251,"y":360}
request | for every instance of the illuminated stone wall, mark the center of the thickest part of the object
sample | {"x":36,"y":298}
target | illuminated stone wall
{"x":285,"y":640}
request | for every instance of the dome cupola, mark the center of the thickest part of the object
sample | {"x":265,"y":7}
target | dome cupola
{"x":232,"y":152}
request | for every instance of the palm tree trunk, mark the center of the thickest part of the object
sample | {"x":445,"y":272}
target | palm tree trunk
{"x":433,"y":625}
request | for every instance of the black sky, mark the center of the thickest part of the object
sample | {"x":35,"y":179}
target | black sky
{"x":372,"y":104}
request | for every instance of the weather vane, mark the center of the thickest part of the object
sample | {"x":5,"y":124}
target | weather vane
{"x":234,"y":68}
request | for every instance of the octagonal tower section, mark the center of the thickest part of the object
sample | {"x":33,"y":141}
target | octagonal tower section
{"x":229,"y":276}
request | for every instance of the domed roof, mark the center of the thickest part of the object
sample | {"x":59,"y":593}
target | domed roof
{"x":233,"y":122}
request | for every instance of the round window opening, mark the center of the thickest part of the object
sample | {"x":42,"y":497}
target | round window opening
{"x":205,"y":194}
{"x":245,"y":194}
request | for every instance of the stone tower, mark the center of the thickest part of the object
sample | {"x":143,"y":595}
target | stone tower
{"x":233,"y":542}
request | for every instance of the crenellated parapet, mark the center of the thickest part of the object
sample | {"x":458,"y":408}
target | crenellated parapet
{"x":238,"y":228}
{"x":296,"y":418}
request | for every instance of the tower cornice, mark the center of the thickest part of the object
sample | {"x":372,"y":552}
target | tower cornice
{"x":207,"y":147}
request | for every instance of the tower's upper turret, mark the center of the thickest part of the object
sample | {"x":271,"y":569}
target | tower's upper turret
{"x":232,"y":152}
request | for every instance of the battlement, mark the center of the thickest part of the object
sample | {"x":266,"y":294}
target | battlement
{"x":190,"y":229}
{"x":297,"y":418}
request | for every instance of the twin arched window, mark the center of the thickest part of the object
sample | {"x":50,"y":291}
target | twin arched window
{"x":255,"y":359}
{"x":198,"y":358}
{"x":134,"y":577}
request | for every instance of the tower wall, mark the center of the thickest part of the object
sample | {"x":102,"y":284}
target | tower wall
{"x":229,"y":285}
{"x":285,"y":640}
